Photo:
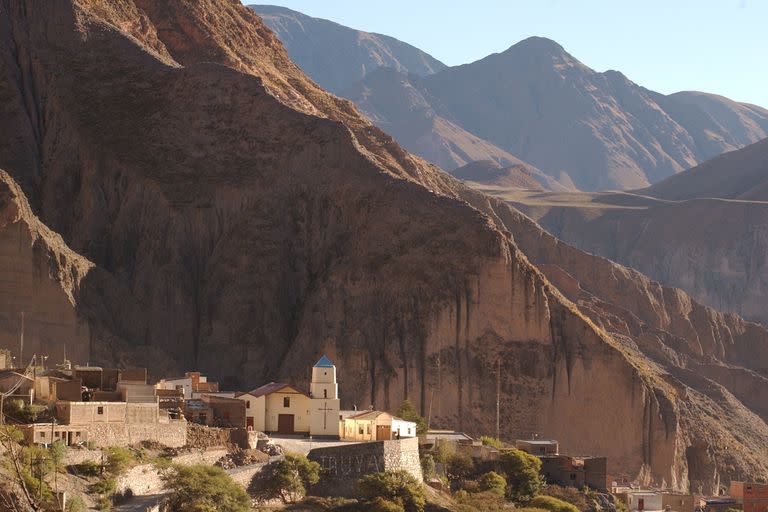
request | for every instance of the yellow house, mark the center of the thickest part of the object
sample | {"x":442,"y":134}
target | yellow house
{"x":376,"y":426}
{"x":284,"y":409}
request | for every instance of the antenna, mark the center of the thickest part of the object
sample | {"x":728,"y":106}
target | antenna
{"x":21,"y":340}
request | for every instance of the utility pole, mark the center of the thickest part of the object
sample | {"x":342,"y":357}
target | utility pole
{"x":498,"y":398}
{"x":21,"y":341}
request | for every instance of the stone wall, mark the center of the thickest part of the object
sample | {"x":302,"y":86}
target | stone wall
{"x":172,"y":434}
{"x":342,"y":466}
{"x":144,"y":478}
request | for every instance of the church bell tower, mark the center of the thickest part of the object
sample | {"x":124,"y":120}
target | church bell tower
{"x":325,"y":403}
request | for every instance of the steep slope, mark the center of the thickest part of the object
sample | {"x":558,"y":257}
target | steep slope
{"x":610,"y":132}
{"x":518,"y":176}
{"x":400,"y":105}
{"x":704,"y":230}
{"x":252,"y":221}
{"x":336,"y":56}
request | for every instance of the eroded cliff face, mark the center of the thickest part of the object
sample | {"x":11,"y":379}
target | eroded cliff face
{"x":243,"y":221}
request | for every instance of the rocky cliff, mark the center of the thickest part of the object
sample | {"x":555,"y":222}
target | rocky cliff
{"x":246,"y":221}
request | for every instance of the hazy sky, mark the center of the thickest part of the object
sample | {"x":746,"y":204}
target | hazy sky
{"x":718,"y":46}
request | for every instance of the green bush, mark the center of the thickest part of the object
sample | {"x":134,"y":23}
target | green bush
{"x":492,"y":442}
{"x":408,"y":412}
{"x":493,"y":482}
{"x":103,"y":487}
{"x":380,"y":504}
{"x":396,"y":486}
{"x":482,"y":502}
{"x":287,"y":479}
{"x":569,"y":494}
{"x":58,"y":451}
{"x":443,"y":451}
{"x":459,"y":466}
{"x":202,"y":488}
{"x":428,"y":468}
{"x":553,"y":504}
{"x":87,"y":468}
{"x":76,"y":504}
{"x":521,"y":470}
{"x":117,"y":460}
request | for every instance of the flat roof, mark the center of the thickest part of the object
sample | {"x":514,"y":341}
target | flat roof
{"x":536,"y":441}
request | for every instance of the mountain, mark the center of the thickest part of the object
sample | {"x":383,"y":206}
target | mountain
{"x":533,"y":102}
{"x":336,"y":56}
{"x":206,"y":206}
{"x":541,"y":104}
{"x":704,"y":230}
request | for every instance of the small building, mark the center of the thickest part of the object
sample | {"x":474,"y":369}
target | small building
{"x":376,"y":426}
{"x":573,"y":471}
{"x":47,"y":433}
{"x":538,"y":447}
{"x":677,"y":502}
{"x":192,"y":384}
{"x":717,"y":503}
{"x":753,"y":497}
{"x":225,"y":412}
{"x":23,"y":386}
{"x":642,"y":501}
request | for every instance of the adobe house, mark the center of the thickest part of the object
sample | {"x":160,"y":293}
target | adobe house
{"x":578,"y":472}
{"x":225,"y":412}
{"x":643,"y":501}
{"x":538,"y":447}
{"x":284,"y":409}
{"x":753,"y":497}
{"x":193,"y":385}
{"x":677,"y":502}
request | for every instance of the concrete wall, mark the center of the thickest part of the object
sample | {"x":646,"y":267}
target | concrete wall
{"x":86,"y":413}
{"x":344,"y":465}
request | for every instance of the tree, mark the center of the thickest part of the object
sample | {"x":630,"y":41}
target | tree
{"x":287,"y":479}
{"x":408,"y":412}
{"x":493,"y":482}
{"x":522,"y":472}
{"x":492,"y":442}
{"x":58,"y":453}
{"x":202,"y":488}
{"x":553,"y":504}
{"x":399,"y":487}
{"x":428,"y":466}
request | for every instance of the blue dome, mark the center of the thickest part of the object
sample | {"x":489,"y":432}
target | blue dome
{"x":324,"y":362}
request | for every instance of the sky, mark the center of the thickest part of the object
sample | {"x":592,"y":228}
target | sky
{"x":717,"y":46}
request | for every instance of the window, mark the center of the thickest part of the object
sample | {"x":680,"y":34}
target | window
{"x":409,"y":430}
{"x":286,"y":401}
{"x":361,"y":430}
{"x":325,"y":393}
{"x":100,"y":410}
{"x":42,"y":434}
{"x":77,"y":434}
{"x":573,"y":476}
{"x":247,"y":404}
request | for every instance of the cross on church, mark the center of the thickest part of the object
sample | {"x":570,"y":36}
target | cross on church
{"x":325,"y":410}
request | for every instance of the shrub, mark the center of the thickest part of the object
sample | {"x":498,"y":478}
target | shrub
{"x":103,"y":487}
{"x":87,"y":468}
{"x":443,"y":451}
{"x":396,"y":486}
{"x":58,"y":451}
{"x":492,"y":442}
{"x":76,"y":504}
{"x":287,"y":479}
{"x":569,"y":494}
{"x":493,"y":482}
{"x":459,"y":466}
{"x":202,"y":488}
{"x":553,"y":504}
{"x":428,"y":468}
{"x":483,"y":502}
{"x":522,"y":473}
{"x":380,"y":504}
{"x":408,"y":412}
{"x":118,"y":460}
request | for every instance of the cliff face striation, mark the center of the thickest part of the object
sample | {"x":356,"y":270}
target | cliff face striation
{"x":242,"y":221}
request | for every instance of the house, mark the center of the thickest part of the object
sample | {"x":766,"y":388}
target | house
{"x":576,"y":471}
{"x":538,"y":446}
{"x":17,"y":386}
{"x":677,"y":502}
{"x":642,"y":501}
{"x":193,"y":384}
{"x":752,"y":497}
{"x":285,"y":409}
{"x":376,"y":426}
{"x":717,"y":503}
{"x":218,"y":411}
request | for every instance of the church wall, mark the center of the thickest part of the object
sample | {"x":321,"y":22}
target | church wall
{"x":299,"y":407}
{"x":322,"y":422}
